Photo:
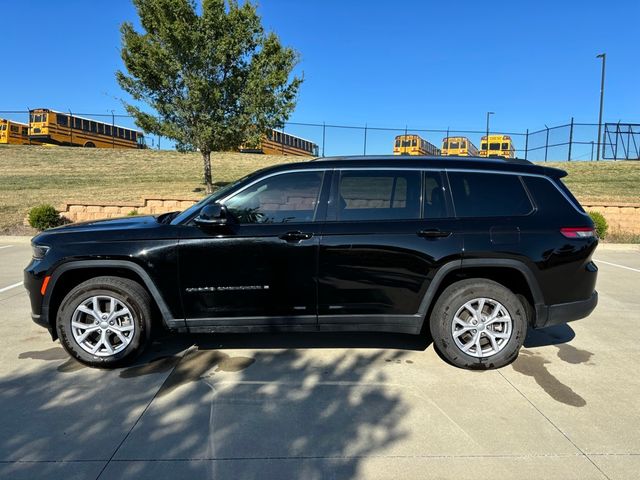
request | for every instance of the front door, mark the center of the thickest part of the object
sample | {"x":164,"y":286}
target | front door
{"x":387,"y":233}
{"x":261,"y":268}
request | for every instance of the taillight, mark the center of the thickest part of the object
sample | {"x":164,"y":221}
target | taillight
{"x":578,"y":232}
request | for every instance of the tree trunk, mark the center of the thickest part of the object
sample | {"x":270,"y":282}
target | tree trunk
{"x":206,"y":159}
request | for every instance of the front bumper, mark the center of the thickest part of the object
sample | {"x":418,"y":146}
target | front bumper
{"x":547,"y":315}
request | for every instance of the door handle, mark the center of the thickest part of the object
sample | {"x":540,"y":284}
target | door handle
{"x":433,"y":233}
{"x":295,"y":236}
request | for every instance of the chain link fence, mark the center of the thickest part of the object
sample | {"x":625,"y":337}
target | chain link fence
{"x":570,"y":142}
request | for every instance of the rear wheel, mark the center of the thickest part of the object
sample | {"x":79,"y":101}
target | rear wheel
{"x":105,"y":322}
{"x":478,"y":324}
{"x":90,"y":145}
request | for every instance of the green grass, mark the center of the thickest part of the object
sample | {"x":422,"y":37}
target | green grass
{"x":605,"y":181}
{"x":30,"y":175}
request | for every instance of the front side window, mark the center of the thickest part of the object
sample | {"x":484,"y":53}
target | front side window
{"x":378,"y":195}
{"x":285,"y":198}
{"x":61,"y":119}
{"x":488,"y":195}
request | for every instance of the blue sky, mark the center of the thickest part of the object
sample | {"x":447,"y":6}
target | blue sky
{"x":424,"y":64}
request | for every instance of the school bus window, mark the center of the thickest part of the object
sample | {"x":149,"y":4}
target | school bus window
{"x":463,"y":144}
{"x":25,"y":131}
{"x":93,"y":127}
{"x":14,"y":128}
{"x":494,"y":146}
{"x":133,"y":136}
{"x":127,"y":134}
{"x":505,"y":146}
{"x":107,"y":130}
{"x":62,"y":120}
{"x":455,"y":145}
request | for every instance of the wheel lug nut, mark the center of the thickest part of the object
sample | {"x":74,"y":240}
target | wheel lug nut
{"x":473,"y":331}
{"x":111,"y":322}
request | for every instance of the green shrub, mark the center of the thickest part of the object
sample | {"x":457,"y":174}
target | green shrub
{"x":44,"y":216}
{"x":132,"y":213}
{"x":601,"y":224}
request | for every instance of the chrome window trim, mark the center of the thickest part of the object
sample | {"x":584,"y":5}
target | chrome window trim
{"x":431,"y":169}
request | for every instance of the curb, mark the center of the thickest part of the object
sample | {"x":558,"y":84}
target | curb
{"x":20,"y":239}
{"x":619,"y":247}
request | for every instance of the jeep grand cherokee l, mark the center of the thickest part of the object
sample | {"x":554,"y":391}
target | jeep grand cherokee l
{"x":474,"y":250}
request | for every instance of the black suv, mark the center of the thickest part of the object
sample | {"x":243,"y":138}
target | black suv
{"x":475,"y":250}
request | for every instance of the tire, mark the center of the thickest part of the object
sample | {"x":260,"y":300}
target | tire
{"x":90,"y":145}
{"x":453,"y":312}
{"x":102,"y":346}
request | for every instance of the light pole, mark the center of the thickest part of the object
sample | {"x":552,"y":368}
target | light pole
{"x":603,"y":56}
{"x":488,"y":114}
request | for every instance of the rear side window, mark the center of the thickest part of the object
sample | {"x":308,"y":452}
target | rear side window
{"x":548,"y":198}
{"x":378,"y":195}
{"x":488,"y":195}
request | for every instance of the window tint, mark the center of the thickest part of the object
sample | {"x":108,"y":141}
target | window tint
{"x":434,"y":203}
{"x":549,"y":199}
{"x":379,"y":195}
{"x":488,"y":195}
{"x":286,"y":198}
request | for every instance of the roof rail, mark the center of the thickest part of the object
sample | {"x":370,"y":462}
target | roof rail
{"x":517,"y":161}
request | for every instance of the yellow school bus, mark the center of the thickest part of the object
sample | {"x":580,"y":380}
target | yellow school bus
{"x":458,"y":147}
{"x":413,"y":145}
{"x":14,"y":133}
{"x":276,"y":142}
{"x":499,"y":146}
{"x":57,"y":128}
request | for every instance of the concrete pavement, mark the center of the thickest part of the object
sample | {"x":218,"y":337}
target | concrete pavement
{"x":318,"y":406}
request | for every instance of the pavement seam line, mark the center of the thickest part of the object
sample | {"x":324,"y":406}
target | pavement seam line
{"x":10,"y":287}
{"x":619,"y":266}
{"x":554,"y":425}
{"x":140,"y":417}
{"x":6,"y":246}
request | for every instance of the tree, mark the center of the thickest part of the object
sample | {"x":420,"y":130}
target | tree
{"x":214,"y":78}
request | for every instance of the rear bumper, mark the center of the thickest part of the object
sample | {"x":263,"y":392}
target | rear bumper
{"x":547,"y":315}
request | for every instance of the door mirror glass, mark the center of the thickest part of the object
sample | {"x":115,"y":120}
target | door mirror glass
{"x":211,"y":215}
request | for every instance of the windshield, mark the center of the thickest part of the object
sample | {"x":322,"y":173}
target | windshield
{"x":211,"y":198}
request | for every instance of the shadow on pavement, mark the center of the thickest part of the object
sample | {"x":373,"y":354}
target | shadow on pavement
{"x":275,"y":412}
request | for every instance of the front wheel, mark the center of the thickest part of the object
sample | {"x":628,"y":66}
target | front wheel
{"x":105,"y":322}
{"x":478,"y":324}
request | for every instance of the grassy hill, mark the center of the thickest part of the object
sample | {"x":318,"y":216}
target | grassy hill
{"x":30,"y":175}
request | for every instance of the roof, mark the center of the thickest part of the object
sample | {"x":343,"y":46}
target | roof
{"x":69,"y":114}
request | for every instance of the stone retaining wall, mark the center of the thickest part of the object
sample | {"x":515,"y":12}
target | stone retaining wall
{"x":623,"y":217}
{"x":83,"y":211}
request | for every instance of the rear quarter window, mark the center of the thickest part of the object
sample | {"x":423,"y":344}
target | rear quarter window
{"x":489,"y":195}
{"x":549,"y":199}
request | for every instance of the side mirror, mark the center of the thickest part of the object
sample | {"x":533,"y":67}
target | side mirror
{"x":213,"y":214}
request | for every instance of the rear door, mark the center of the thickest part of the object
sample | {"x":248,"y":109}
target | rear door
{"x":388,"y":231}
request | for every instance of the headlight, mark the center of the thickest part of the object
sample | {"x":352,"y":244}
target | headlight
{"x":39,"y":251}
